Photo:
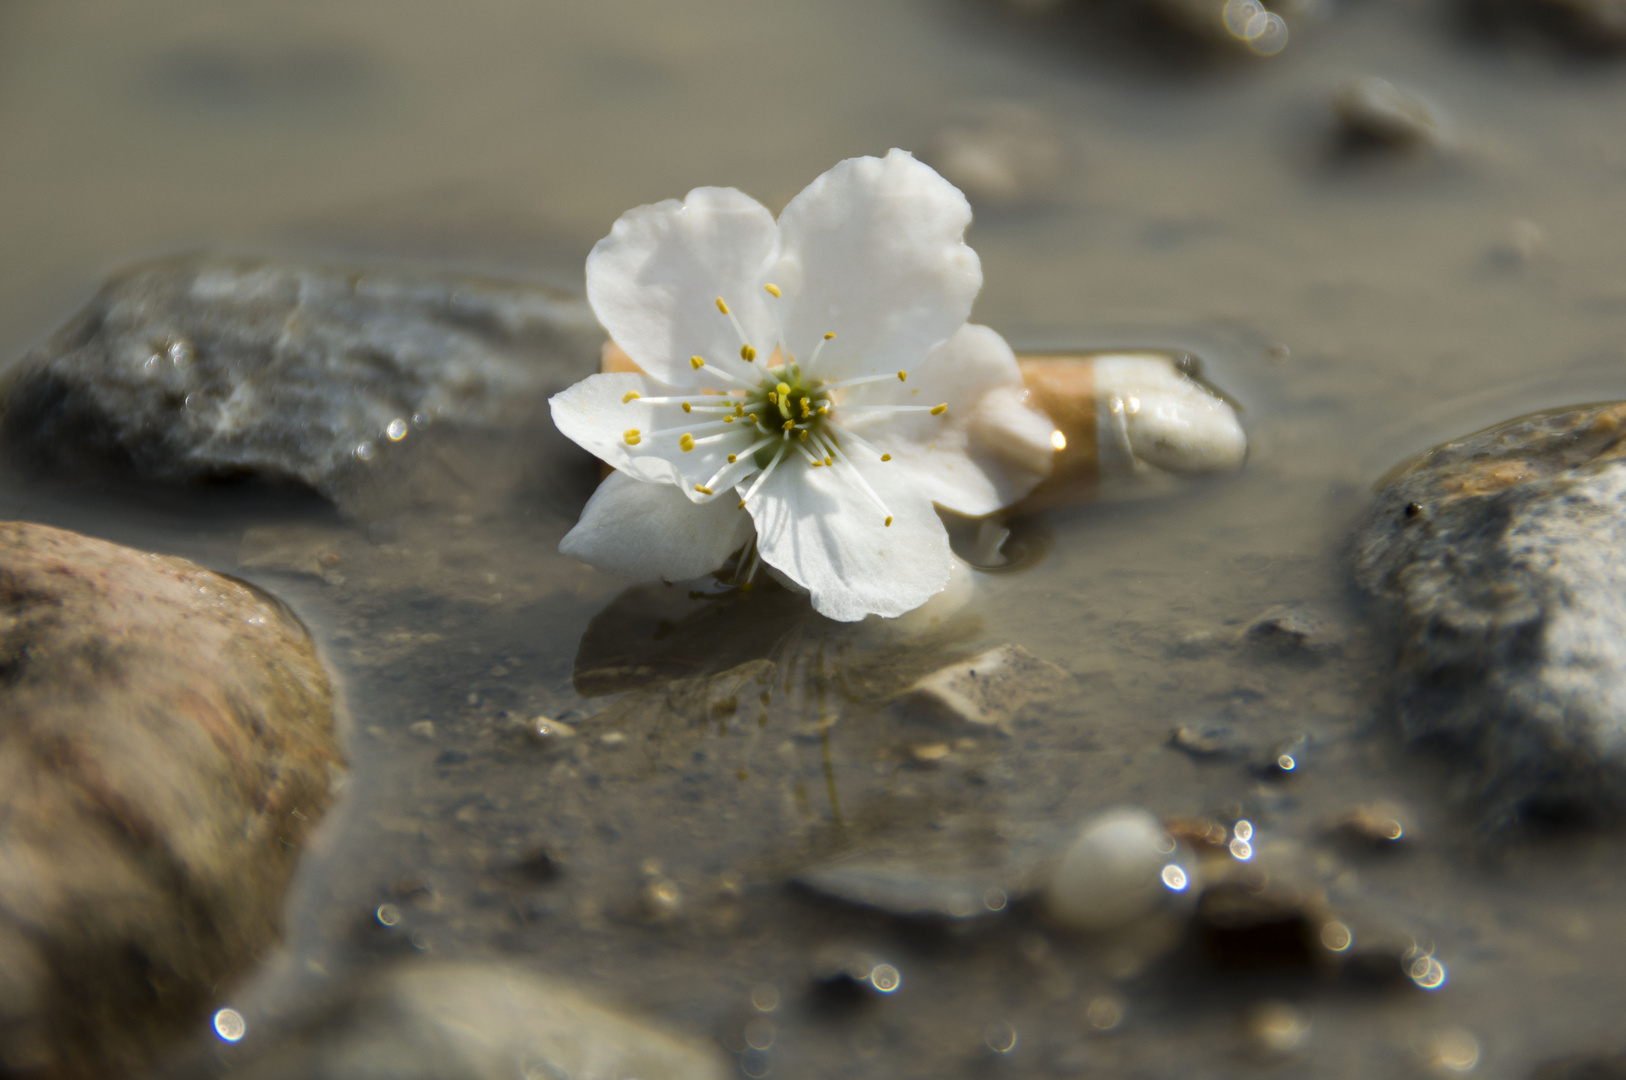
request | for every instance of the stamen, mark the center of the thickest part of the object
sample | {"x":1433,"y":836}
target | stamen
{"x":687,"y":407}
{"x":811,"y":460}
{"x":749,"y":463}
{"x":903,"y":376}
{"x":804,"y":434}
{"x":704,"y":490}
{"x":713,"y":425}
{"x":630,"y":395}
{"x":698,"y":362}
{"x":747,"y":353}
{"x":773,"y":290}
{"x":859,"y":440}
{"x":681,"y":398}
{"x":632,"y":436}
{"x":939,"y":410}
{"x":763,"y":479}
{"x":722,"y":306}
{"x":817,"y":349}
{"x":860,"y":380}
{"x":686,"y":443}
{"x":858,"y":476}
{"x":788,"y":425}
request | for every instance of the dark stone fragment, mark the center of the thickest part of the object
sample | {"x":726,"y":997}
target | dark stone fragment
{"x":1508,"y":599}
{"x":1584,"y":1067}
{"x":1243,"y":927}
{"x":208,"y":368}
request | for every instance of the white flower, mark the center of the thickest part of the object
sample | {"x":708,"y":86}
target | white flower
{"x":812,"y":383}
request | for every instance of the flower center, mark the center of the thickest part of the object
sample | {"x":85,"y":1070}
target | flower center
{"x":789,"y":402}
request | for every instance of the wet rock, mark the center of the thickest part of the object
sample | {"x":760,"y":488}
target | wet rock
{"x":166,"y":739}
{"x":1122,"y":867}
{"x":911,"y":888}
{"x":1001,"y":156}
{"x":1374,"y":112}
{"x":1584,"y":1067}
{"x":473,"y":1022}
{"x":986,"y":692}
{"x":1496,"y":557}
{"x":206,"y":367}
{"x":1295,"y":630}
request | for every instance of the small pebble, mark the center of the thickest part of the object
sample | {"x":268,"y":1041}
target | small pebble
{"x":1122,"y":867}
{"x":1377,"y":112}
{"x":1275,"y":1027}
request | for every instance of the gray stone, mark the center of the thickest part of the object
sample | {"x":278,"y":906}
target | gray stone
{"x":1498,"y":557}
{"x":204,"y":367}
{"x":451,"y":1021}
{"x":166,"y":741}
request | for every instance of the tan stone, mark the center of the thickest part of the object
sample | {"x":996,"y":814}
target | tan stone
{"x":166,"y":741}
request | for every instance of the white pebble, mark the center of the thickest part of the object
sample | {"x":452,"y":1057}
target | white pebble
{"x":1115,"y":872}
{"x":1169,"y":421}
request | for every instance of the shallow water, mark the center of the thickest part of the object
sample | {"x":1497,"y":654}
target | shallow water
{"x":1361,"y":308}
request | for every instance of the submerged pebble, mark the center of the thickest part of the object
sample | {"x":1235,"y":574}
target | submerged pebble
{"x":1496,"y":557}
{"x":1377,"y":112}
{"x":1122,"y":867}
{"x":986,"y":692}
{"x":464,"y":1021}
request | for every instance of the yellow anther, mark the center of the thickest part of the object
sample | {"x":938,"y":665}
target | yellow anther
{"x":773,"y":398}
{"x":830,"y":463}
{"x":686,"y":443}
{"x":804,"y":434}
{"x":630,"y":395}
{"x":830,"y":336}
{"x":632,"y":436}
{"x":722,"y":306}
{"x":741,"y":506}
{"x":772,"y":289}
{"x":687,"y":408}
{"x":889,"y":522}
{"x":784,"y":390}
{"x":696,"y":362}
{"x":739,"y":410}
{"x":824,"y":410}
{"x":886,"y":457}
{"x":728,"y":419}
{"x":939,"y":410}
{"x":703,"y":489}
{"x":787,"y":425}
{"x":746,"y":586}
{"x":903,"y":376}
{"x":805,"y":410}
{"x":816,"y":464}
{"x":747,"y":353}
{"x":732,"y":458}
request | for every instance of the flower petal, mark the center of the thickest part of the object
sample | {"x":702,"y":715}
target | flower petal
{"x":597,"y":415}
{"x":873,"y":252}
{"x":987,"y":451}
{"x":643,"y":531}
{"x":654,"y":281}
{"x":819,"y":528}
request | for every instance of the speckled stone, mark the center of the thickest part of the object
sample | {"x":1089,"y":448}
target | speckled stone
{"x":1497,"y":559}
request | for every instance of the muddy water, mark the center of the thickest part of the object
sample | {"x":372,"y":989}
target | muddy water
{"x":1361,"y":308}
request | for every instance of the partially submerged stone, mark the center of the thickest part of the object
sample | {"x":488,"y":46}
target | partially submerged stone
{"x":465,"y":1021}
{"x":206,"y":367}
{"x":1376,"y":112}
{"x":166,"y":740}
{"x":986,"y":692}
{"x":1497,"y":556}
{"x":1125,"y":420}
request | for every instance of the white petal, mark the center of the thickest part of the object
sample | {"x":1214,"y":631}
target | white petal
{"x":654,"y":281}
{"x":987,"y":451}
{"x":872,"y":251}
{"x":593,"y":414}
{"x":821,"y":530}
{"x":644,"y":531}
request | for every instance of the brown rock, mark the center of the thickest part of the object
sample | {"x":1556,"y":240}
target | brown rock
{"x":166,"y":739}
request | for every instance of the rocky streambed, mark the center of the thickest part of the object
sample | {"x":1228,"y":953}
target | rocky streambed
{"x":680,"y":830}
